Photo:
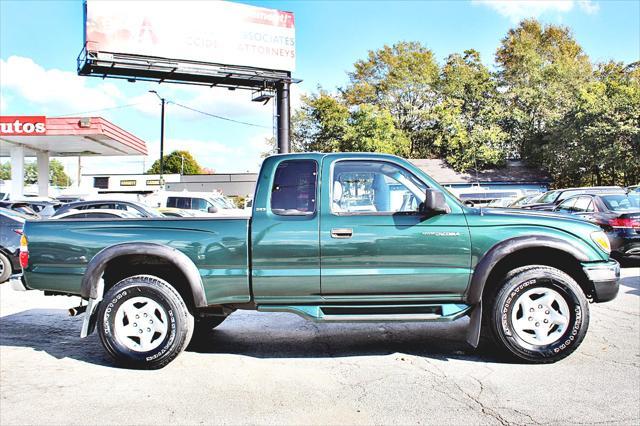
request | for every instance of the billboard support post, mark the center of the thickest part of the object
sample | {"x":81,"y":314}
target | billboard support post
{"x":284,"y":108}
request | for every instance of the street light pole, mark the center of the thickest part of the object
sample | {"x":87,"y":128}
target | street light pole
{"x":161,"y":138}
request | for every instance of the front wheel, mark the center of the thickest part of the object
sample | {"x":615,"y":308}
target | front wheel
{"x":539,"y":314}
{"x":143,"y":322}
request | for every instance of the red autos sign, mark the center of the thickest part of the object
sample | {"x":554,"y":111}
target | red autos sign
{"x":28,"y":125}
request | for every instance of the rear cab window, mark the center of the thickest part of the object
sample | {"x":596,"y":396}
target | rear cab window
{"x":294,"y":190}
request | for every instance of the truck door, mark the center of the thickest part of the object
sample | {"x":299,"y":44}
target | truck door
{"x":285,"y":232}
{"x":374,"y":243}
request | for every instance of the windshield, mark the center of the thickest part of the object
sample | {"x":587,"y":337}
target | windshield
{"x":549,"y":197}
{"x":621,"y":202}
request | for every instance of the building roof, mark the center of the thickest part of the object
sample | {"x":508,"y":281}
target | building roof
{"x":514,"y":172}
{"x":76,"y":136}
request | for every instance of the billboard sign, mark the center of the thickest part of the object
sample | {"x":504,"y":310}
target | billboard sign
{"x":216,"y":32}
{"x":27,"y":125}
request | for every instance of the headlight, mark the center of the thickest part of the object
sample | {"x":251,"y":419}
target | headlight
{"x":601,"y":240}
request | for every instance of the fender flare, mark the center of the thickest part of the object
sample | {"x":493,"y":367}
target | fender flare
{"x":92,"y":288}
{"x":507,"y":247}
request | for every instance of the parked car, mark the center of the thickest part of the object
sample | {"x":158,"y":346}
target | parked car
{"x":21,"y":207}
{"x":11,"y":224}
{"x":525,"y":199}
{"x":69,"y":198}
{"x":207,"y":202}
{"x":501,"y":202}
{"x":137,"y":209}
{"x":173,"y":212}
{"x":550,"y":199}
{"x":524,"y":278}
{"x":478,"y":196}
{"x":617,"y":214}
{"x":97,"y":214}
{"x":44,"y":207}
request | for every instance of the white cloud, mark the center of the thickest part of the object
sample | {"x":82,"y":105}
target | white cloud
{"x":516,"y":10}
{"x":589,"y":6}
{"x":57,"y":90}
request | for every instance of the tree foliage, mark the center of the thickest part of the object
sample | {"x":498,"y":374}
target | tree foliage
{"x":57,"y":175}
{"x":546,"y":103}
{"x":177,"y":162}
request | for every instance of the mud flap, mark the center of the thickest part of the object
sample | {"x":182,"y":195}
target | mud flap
{"x":89,"y":322}
{"x":475,"y":322}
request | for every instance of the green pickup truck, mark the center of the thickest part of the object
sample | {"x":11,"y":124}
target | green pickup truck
{"x":332,"y":237}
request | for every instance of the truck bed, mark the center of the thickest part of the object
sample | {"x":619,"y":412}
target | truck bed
{"x":60,"y":250}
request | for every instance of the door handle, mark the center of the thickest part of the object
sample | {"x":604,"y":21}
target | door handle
{"x":341,"y":233}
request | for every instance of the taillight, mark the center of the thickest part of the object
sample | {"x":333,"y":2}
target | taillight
{"x":24,"y":251}
{"x":624,"y":222}
{"x":18,"y":231}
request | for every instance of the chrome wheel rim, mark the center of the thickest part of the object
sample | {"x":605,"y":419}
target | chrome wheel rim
{"x":540,"y":316}
{"x":140,"y":324}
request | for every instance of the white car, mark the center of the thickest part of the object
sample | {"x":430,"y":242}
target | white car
{"x":97,"y":214}
{"x":207,"y":202}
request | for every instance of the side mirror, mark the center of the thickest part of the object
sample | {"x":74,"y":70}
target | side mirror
{"x":212,"y":209}
{"x":434,"y":203}
{"x":469,"y":203}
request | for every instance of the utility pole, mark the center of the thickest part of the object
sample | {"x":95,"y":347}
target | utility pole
{"x":162,"y":100}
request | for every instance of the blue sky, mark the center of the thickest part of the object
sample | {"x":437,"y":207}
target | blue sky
{"x":40,"y":40}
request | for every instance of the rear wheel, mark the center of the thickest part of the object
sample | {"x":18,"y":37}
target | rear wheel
{"x":143,"y":322}
{"x":539,"y":314}
{"x":5,"y":268}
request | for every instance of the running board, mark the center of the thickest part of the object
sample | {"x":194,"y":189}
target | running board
{"x":373,"y":313}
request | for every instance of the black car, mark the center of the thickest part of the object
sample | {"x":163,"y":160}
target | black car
{"x":11,"y":223}
{"x":550,"y":199}
{"x":617,"y":214}
{"x":137,"y":209}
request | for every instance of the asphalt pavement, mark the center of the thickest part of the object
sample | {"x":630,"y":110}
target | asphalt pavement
{"x":272,"y":368}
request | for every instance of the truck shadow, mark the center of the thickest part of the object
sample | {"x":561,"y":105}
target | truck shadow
{"x":54,"y":332}
{"x":256,"y":335}
{"x":632,"y":284}
{"x":283,"y":335}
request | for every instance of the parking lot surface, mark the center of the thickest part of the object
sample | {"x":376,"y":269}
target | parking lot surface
{"x":280,"y":369}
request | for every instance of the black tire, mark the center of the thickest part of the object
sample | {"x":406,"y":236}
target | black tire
{"x":5,"y":268}
{"x":535,"y":281}
{"x":168,"y":309}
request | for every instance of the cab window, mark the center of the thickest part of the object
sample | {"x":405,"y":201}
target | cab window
{"x":294,"y":188}
{"x":374,"y":187}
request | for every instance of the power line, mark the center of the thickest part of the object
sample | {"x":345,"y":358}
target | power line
{"x":218,"y":116}
{"x":98,"y":110}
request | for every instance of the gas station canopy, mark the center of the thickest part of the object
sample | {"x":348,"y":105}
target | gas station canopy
{"x":68,"y":136}
{"x":42,"y":137}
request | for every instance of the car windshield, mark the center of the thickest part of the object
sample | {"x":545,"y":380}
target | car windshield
{"x":549,"y":197}
{"x":621,"y":202}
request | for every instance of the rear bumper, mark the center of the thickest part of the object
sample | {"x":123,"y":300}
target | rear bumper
{"x":604,"y":278}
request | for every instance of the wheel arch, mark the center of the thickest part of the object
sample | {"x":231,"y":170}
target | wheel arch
{"x":111,"y":263}
{"x":522,"y":251}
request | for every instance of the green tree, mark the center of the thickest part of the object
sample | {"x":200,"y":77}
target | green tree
{"x":325,"y":123}
{"x":541,"y":71}
{"x":5,"y":171}
{"x":177,"y":162}
{"x":403,"y":80}
{"x":57,"y":175}
{"x":598,"y":141}
{"x":468,"y":133}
